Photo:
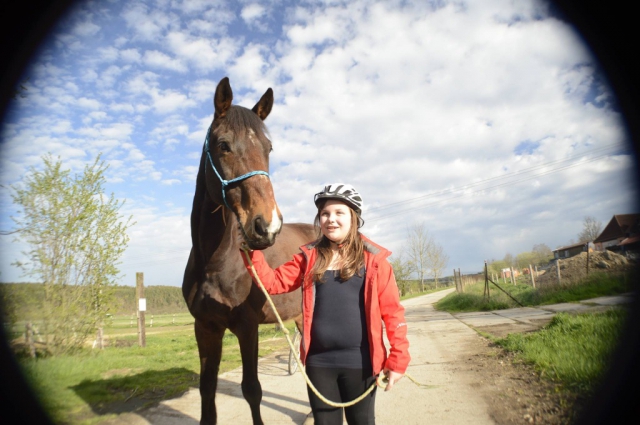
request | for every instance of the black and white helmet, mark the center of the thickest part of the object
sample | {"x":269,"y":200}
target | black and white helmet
{"x":343,"y":192}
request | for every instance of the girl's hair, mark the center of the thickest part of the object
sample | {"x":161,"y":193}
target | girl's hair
{"x":351,"y":249}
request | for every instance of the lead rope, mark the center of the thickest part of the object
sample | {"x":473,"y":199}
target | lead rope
{"x":381,"y":380}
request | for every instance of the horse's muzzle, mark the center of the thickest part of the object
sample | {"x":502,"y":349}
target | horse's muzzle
{"x":262,"y":234}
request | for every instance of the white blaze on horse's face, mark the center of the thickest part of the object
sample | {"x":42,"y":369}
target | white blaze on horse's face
{"x":276,"y":223}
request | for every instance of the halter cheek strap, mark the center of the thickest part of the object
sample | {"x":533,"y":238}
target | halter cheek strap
{"x":224,"y":182}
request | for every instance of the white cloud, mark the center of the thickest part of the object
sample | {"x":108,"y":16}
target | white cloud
{"x":130,"y":55}
{"x":170,"y":182}
{"x":86,"y":29}
{"x":204,"y":54}
{"x":121,"y":107}
{"x":251,"y":15}
{"x":148,"y":24}
{"x":251,"y":12}
{"x":165,"y":101}
{"x":158,"y":59}
{"x":85,"y":103}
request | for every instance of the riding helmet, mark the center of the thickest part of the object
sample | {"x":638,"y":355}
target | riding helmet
{"x":342,"y":192}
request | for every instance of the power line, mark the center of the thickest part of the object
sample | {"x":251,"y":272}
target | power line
{"x":508,"y":183}
{"x":504,"y":176}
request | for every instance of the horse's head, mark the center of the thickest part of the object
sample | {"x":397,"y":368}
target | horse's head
{"x":237,"y":163}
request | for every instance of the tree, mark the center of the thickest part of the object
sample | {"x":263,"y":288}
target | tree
{"x":76,"y":238}
{"x":509,"y":260}
{"x":591,"y":229}
{"x":437,"y":261}
{"x":542,"y":253}
{"x":419,"y":245}
{"x":496,"y":266}
{"x":525,"y":259}
{"x":425,"y":255}
{"x":402,"y":272}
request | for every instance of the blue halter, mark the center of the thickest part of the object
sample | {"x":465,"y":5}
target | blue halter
{"x":224,"y":182}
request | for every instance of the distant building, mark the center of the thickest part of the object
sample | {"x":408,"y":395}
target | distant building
{"x":571,"y":250}
{"x":506,"y":273}
{"x":621,"y":235}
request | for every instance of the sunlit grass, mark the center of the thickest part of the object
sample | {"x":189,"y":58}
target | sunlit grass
{"x":473,"y":299}
{"x":573,"y":349}
{"x":95,"y":384}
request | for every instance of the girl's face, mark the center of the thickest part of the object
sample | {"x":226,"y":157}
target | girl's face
{"x":335,"y":220}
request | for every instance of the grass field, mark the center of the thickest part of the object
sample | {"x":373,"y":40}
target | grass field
{"x":572,"y":350}
{"x":94,"y":385}
{"x":473,"y":299}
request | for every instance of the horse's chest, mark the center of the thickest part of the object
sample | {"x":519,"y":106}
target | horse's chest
{"x":229,"y":292}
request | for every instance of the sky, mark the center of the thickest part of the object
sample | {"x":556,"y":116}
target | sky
{"x":486,"y":122}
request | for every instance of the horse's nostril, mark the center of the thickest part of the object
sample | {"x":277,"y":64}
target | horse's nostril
{"x":260,"y":226}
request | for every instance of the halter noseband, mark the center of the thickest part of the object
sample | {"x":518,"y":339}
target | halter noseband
{"x":224,"y":182}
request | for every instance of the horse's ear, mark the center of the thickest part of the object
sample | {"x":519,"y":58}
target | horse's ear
{"x":222,"y":99}
{"x":263,"y":107}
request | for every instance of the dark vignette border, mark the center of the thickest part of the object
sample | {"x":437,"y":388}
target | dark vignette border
{"x":607,"y":28}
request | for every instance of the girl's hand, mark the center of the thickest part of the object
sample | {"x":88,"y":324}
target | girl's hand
{"x":392,"y":377}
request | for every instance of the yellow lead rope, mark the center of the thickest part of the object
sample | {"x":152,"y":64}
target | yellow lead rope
{"x":380,"y":381}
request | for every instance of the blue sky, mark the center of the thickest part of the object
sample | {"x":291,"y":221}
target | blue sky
{"x":487,"y":121}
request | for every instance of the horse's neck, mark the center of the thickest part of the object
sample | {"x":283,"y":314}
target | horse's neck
{"x":216,"y":232}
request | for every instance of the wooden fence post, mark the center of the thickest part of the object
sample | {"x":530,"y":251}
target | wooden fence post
{"x":455,"y":281}
{"x":587,"y":258}
{"x":513,"y":279}
{"x":29,"y":340}
{"x":533,"y":281}
{"x":142,"y":307}
{"x":486,"y":281}
{"x":558,"y":270}
{"x":99,"y":340}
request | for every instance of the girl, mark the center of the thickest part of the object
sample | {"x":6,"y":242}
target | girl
{"x":348,"y":290}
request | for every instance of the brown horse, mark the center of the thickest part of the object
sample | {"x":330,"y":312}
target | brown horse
{"x":234,"y":201}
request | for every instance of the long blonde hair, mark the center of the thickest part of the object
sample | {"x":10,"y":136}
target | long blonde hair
{"x":351,"y":249}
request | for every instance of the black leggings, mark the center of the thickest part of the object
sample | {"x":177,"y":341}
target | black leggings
{"x":341,"y":385}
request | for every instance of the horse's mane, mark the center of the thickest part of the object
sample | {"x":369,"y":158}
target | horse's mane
{"x":239,"y":119}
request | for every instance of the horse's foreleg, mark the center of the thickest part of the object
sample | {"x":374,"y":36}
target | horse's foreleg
{"x":210,"y":350}
{"x":251,"y":388}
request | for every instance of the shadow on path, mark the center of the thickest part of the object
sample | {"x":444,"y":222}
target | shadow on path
{"x":133,"y":392}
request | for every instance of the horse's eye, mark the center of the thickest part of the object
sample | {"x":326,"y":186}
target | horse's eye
{"x":224,"y":147}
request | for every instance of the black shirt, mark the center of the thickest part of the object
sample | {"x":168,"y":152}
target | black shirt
{"x":339,"y":336}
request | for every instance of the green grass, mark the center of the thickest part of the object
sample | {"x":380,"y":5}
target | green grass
{"x":573,"y":349}
{"x":596,"y":285}
{"x":94,"y":385}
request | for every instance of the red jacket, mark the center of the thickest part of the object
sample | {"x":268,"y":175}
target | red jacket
{"x":381,"y":301}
